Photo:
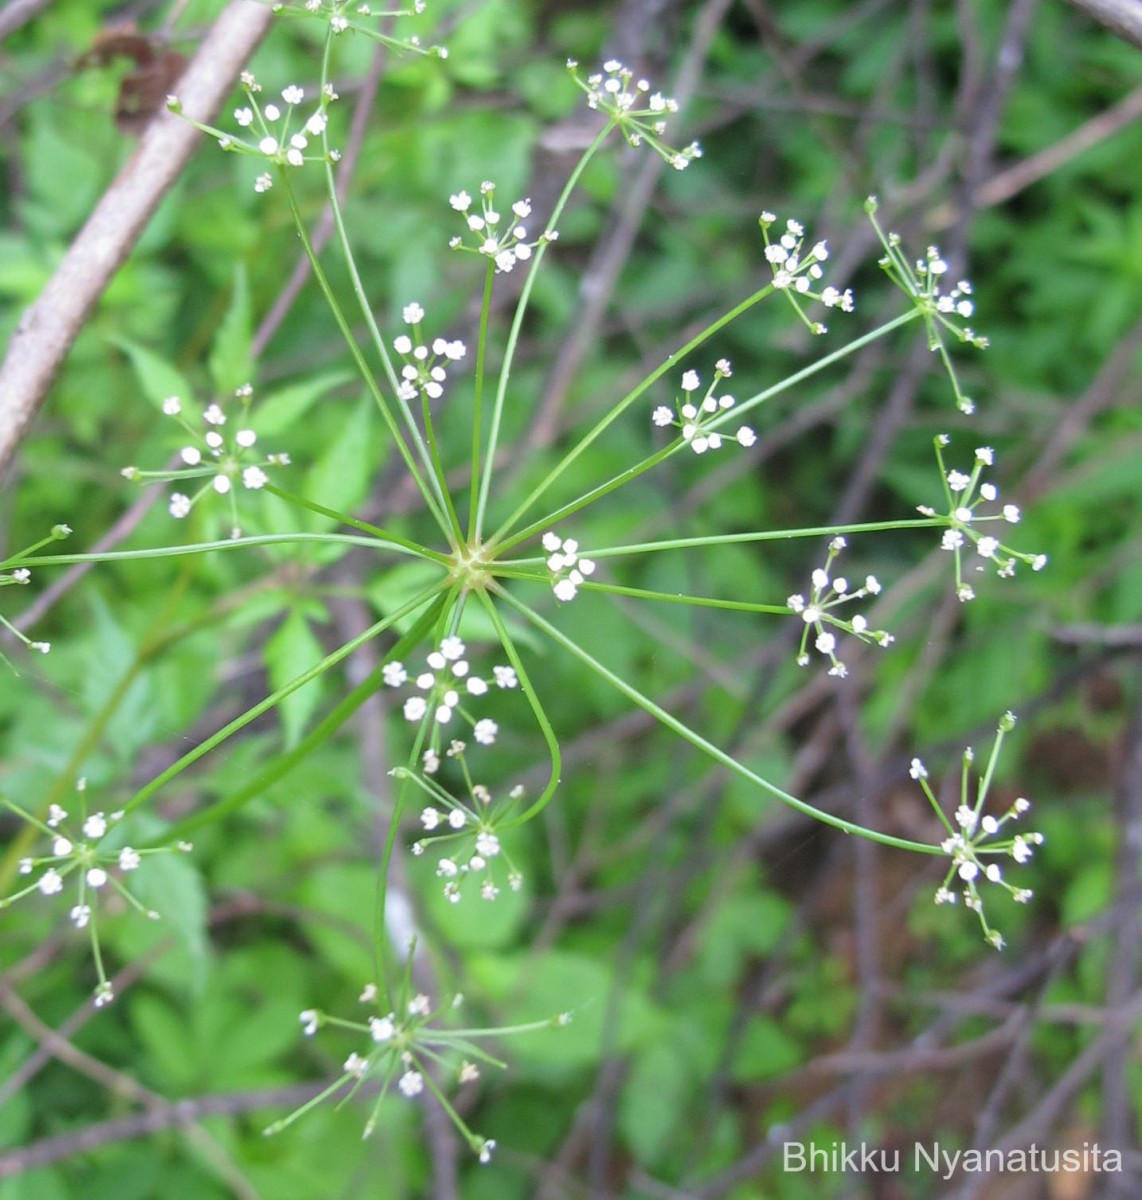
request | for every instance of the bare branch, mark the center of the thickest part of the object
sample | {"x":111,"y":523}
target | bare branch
{"x":1122,"y":17}
{"x":48,"y":328}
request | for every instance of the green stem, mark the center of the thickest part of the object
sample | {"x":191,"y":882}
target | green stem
{"x":985,"y":782}
{"x":428,"y":493}
{"x":251,"y":714}
{"x":708,"y":748}
{"x":151,"y":647}
{"x":517,"y":325}
{"x":384,"y":535}
{"x":478,"y":399}
{"x":605,"y":423}
{"x":320,"y":733}
{"x":555,"y":755}
{"x":626,"y":476}
{"x":615,"y":589}
{"x":768,"y":535}
{"x":438,"y":468}
{"x":267,"y":539}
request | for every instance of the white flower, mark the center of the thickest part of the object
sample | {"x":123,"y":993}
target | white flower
{"x":487,"y":844}
{"x":50,"y":882}
{"x":505,"y":677}
{"x":411,"y":1083}
{"x":485,"y":732}
{"x":565,"y":590}
{"x":95,"y":826}
{"x":958,"y":481}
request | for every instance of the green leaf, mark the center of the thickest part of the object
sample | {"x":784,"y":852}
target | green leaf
{"x":292,"y":649}
{"x":132,"y":722}
{"x":167,"y":1037}
{"x":157,"y":377}
{"x":230,"y":363}
{"x":766,"y":1050}
{"x":655,"y":1099}
{"x":171,"y":885}
{"x":282,"y":409}
{"x":563,"y":981}
{"x":340,"y":476}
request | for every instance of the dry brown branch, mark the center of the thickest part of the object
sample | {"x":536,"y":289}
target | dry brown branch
{"x":19,"y":12}
{"x":1122,"y":17}
{"x":47,"y":330}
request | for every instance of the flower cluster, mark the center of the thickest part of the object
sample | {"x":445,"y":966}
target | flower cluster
{"x":694,"y":419}
{"x":976,"y":836}
{"x":566,"y":569}
{"x":405,"y":1044}
{"x":20,"y":576}
{"x":921,"y":283}
{"x":409,"y":1043}
{"x":440,"y":688}
{"x":505,"y":245}
{"x":964,"y":494}
{"x":828,"y":594}
{"x":275,"y":134}
{"x":468,"y":829}
{"x":638,"y":112}
{"x":345,"y":15}
{"x":82,"y":850}
{"x":423,"y":370}
{"x":221,"y":458}
{"x":795,"y":272}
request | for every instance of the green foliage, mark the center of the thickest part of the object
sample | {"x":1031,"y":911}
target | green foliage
{"x":707,"y":943}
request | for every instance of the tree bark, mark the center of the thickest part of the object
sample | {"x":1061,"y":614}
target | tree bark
{"x":48,"y":328}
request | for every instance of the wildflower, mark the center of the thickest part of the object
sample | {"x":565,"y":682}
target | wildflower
{"x":827,"y":595}
{"x":334,"y":12}
{"x":964,"y":494}
{"x":407,"y":1044}
{"x":423,"y":370}
{"x":218,"y":455}
{"x":797,"y":271}
{"x":638,"y":112}
{"x":697,"y":421}
{"x":467,"y":829}
{"x":441,"y":687}
{"x":975,"y":839}
{"x":503,"y":241}
{"x":273,"y":134}
{"x":79,"y":854}
{"x":922,"y":281}
{"x":566,"y":570}
{"x":21,"y":577}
